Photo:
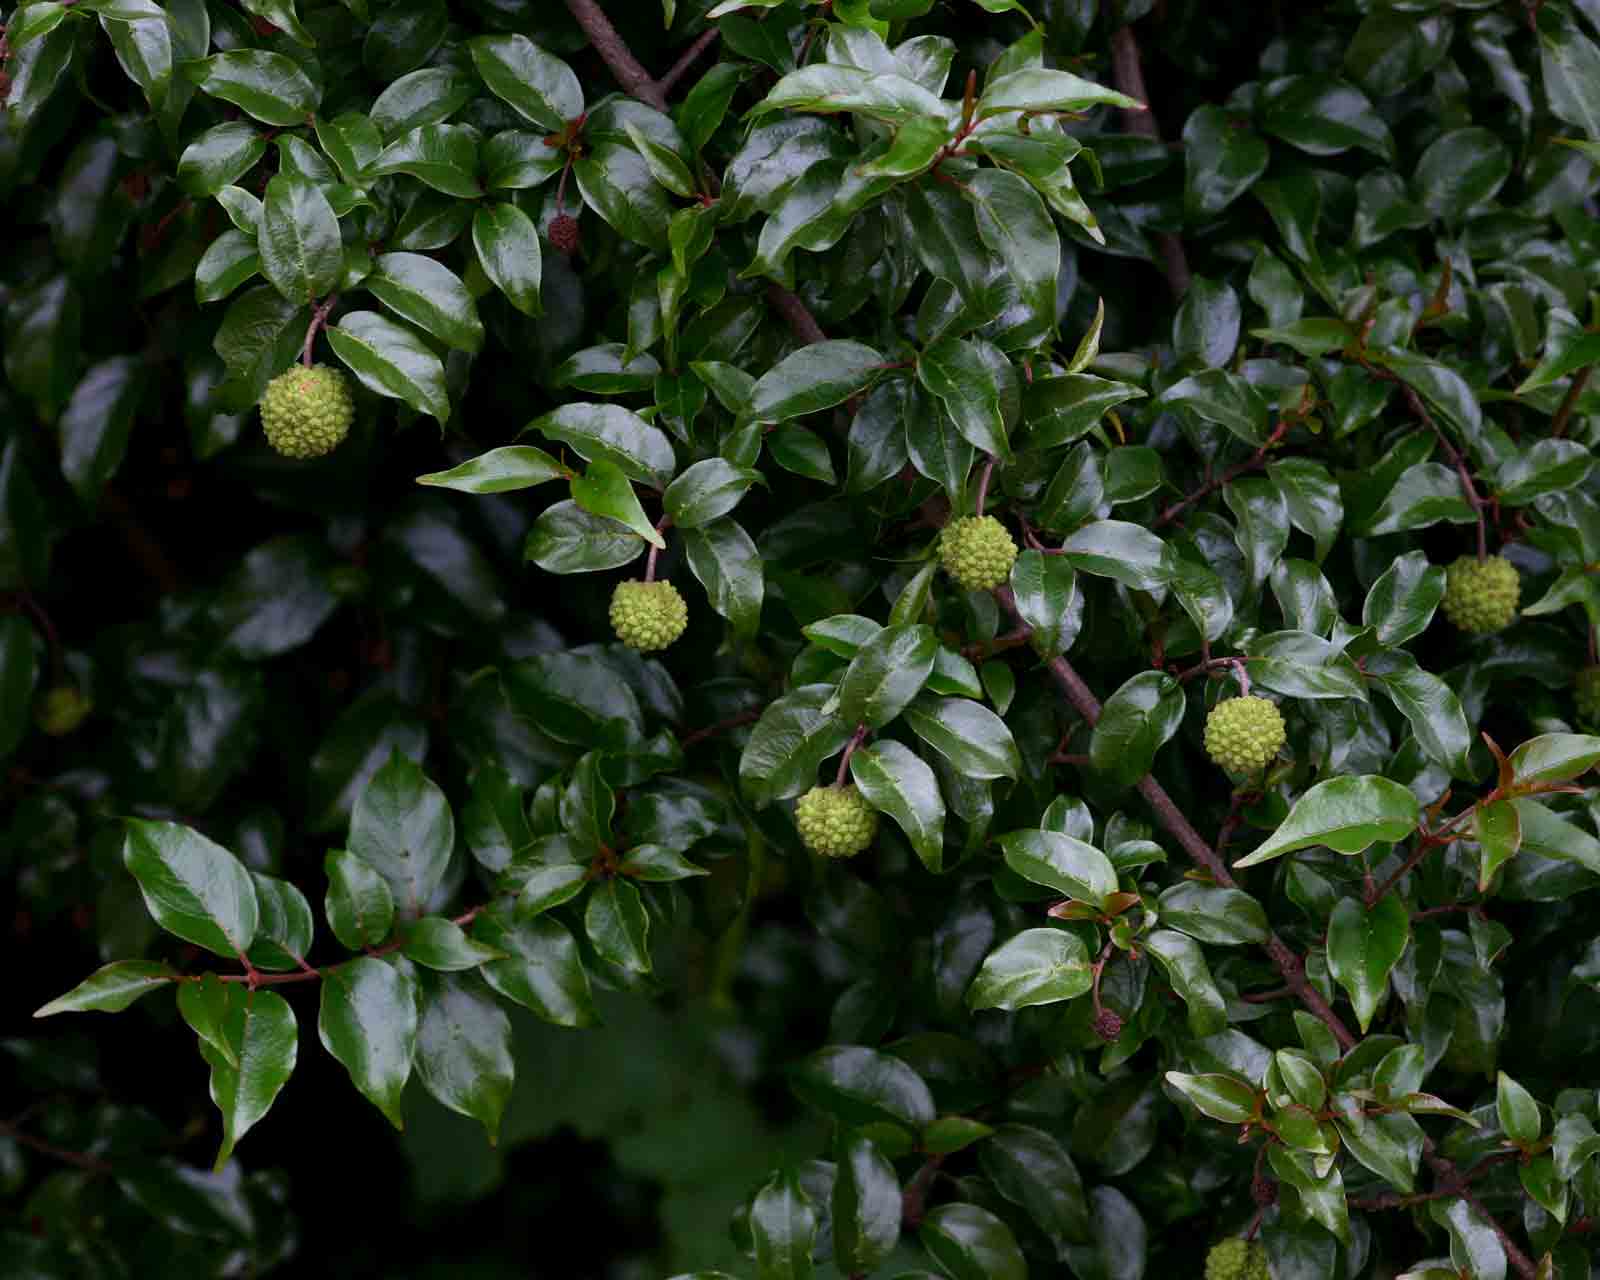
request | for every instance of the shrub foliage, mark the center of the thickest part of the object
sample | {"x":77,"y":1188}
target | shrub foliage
{"x":1170,"y":556}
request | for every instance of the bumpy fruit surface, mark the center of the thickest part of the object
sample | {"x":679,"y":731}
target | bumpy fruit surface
{"x":977,"y":552}
{"x":1586,"y":693}
{"x":1243,"y":734}
{"x":565,"y":234}
{"x":835,"y":821}
{"x":648,"y":615}
{"x":61,"y":710}
{"x":1235,"y":1259}
{"x":1481,"y":597}
{"x":306,"y":412}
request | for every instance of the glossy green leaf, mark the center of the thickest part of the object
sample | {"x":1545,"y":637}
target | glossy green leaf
{"x":507,"y":243}
{"x":463,"y":1052}
{"x":1061,"y":862}
{"x":1364,"y":945}
{"x":1347,"y":815}
{"x":192,"y":887}
{"x":359,"y":904}
{"x":391,"y":360}
{"x":368,"y":1021}
{"x":111,"y":988}
{"x":1037,"y":966}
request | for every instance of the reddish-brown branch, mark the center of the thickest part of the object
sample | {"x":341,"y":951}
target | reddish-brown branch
{"x":253,"y":977}
{"x":79,"y":1158}
{"x":1445,"y":1189}
{"x":1226,"y":478}
{"x":856,"y":739}
{"x":319,"y":320}
{"x":1181,"y":829}
{"x":683,"y":64}
{"x":1447,"y":1172}
{"x":914,"y":1201}
{"x":614,"y":52}
{"x":1127,"y":73}
{"x":799,"y":317}
{"x":721,"y":726}
{"x":1580,"y":380}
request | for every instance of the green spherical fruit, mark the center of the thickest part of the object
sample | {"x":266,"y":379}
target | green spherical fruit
{"x":61,"y":710}
{"x":977,"y":552}
{"x":1236,"y":1259}
{"x":1481,"y":597}
{"x":306,"y":412}
{"x":1244,"y":734}
{"x":648,"y":615}
{"x":835,"y":821}
{"x":1586,"y":693}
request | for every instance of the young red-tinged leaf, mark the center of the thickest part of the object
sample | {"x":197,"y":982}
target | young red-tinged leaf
{"x":1553,"y":757}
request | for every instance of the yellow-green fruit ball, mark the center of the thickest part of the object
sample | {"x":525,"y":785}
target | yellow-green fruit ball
{"x":1586,"y":693}
{"x":306,"y":412}
{"x":61,"y":710}
{"x":1481,"y":597}
{"x":1236,"y":1259}
{"x":648,"y":615}
{"x":977,"y":552}
{"x":835,"y":821}
{"x":1244,"y":734}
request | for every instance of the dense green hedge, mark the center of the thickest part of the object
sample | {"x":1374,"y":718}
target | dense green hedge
{"x":1018,"y":457}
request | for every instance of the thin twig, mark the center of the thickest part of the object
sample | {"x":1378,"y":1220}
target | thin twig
{"x":1224,"y":480}
{"x":706,"y":40}
{"x":1172,"y":818}
{"x":856,"y":739}
{"x":1558,"y":424}
{"x":721,"y":726}
{"x":800,"y":319}
{"x":914,"y":1200}
{"x":983,"y":481}
{"x":319,"y":318}
{"x":614,"y":52}
{"x":1127,"y":73}
{"x":1446,"y":1171}
{"x":79,"y":1158}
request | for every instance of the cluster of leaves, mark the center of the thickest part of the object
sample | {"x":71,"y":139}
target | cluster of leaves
{"x":880,"y":264}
